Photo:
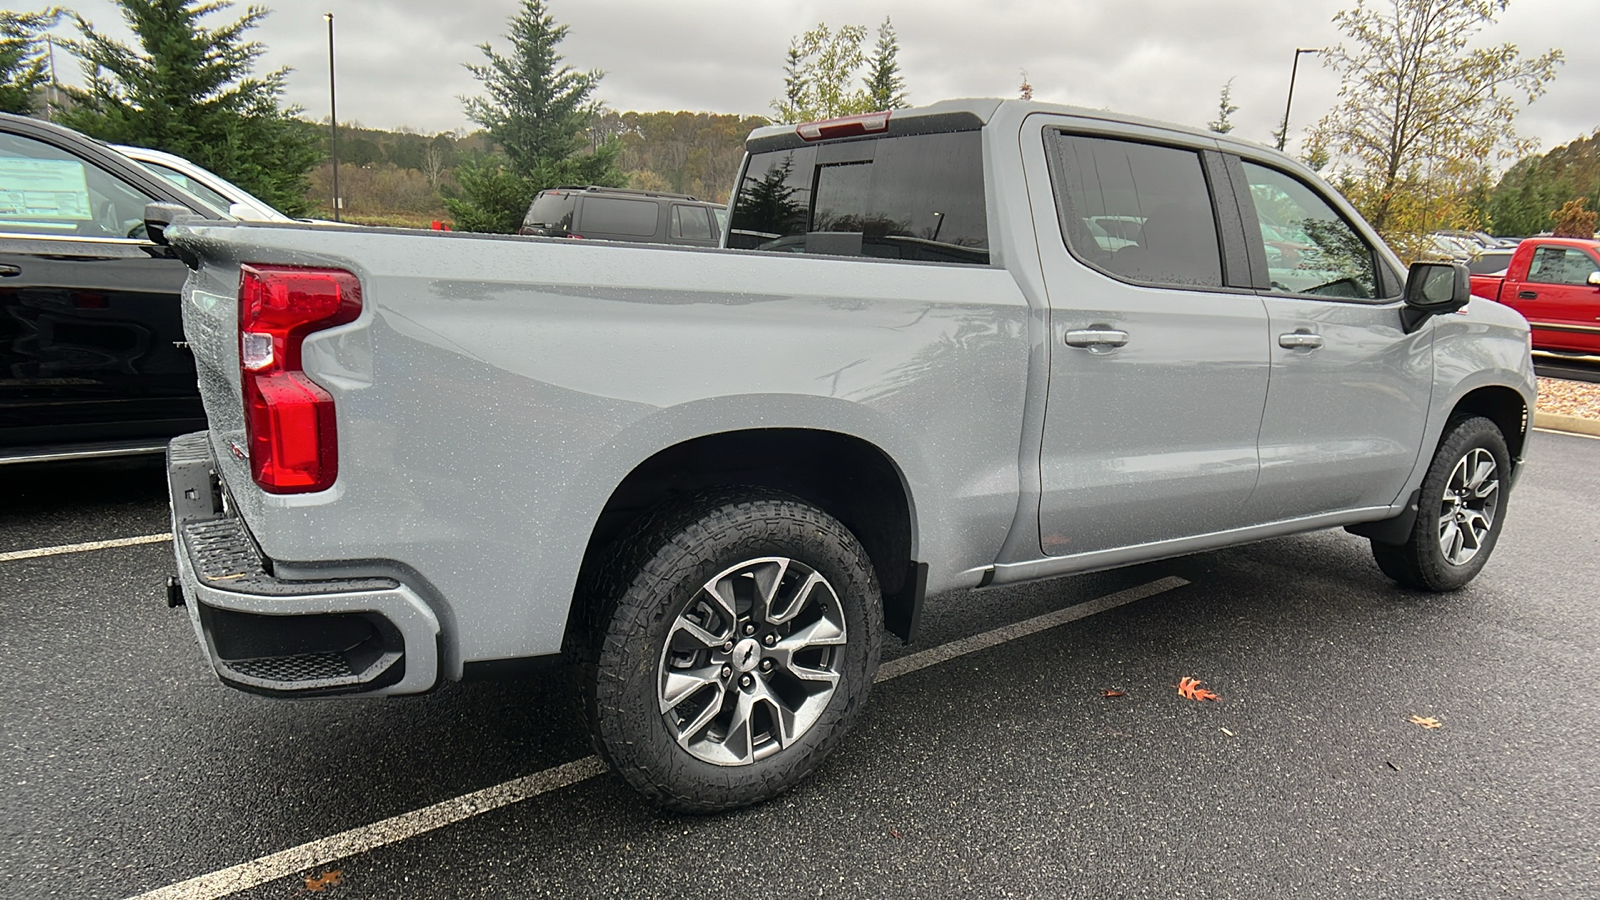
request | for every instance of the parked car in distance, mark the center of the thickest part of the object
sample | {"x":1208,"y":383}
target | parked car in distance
{"x":1491,"y":261}
{"x":1555,"y":284}
{"x":614,"y":214}
{"x":218,"y":191}
{"x":93,"y":360}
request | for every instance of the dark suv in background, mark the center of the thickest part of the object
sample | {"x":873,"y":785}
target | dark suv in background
{"x":614,"y":214}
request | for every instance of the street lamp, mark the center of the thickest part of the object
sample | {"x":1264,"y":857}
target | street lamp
{"x":1283,"y":133}
{"x":333,"y":120}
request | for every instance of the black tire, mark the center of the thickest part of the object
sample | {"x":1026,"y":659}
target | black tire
{"x":1423,"y":562}
{"x":656,"y":579}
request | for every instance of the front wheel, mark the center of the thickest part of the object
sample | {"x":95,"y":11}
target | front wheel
{"x":1460,"y":510}
{"x":736,"y":641}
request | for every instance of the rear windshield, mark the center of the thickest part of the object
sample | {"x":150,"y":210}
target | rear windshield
{"x":551,"y":212}
{"x":918,"y":197}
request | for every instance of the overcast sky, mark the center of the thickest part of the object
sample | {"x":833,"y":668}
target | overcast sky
{"x":400,"y":62}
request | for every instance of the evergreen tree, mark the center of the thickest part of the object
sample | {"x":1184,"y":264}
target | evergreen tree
{"x":1225,"y":109}
{"x":23,"y":65}
{"x":885,"y":88}
{"x":536,"y":111}
{"x":188,"y":90}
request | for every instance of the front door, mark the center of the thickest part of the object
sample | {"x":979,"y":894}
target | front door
{"x":1158,"y":362}
{"x":1350,"y":388}
{"x":1558,"y":300}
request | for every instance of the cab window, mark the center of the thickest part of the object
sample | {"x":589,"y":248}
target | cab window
{"x":46,"y":190}
{"x":1309,"y":247}
{"x":1561,"y":265}
{"x":1141,"y":212}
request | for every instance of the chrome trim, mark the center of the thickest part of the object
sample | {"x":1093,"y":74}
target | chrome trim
{"x":61,"y":454}
{"x":75,"y":238}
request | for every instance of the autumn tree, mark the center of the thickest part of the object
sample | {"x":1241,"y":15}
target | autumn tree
{"x":24,"y":63}
{"x":886,"y":89}
{"x":188,"y":89}
{"x":535,"y":109}
{"x":1225,"y":109}
{"x":1573,"y":221}
{"x":1422,"y":114}
{"x":821,"y":65}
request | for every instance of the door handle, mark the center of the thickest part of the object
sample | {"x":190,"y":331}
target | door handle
{"x":1527,"y":295}
{"x":1300,"y":340}
{"x":9,"y":271}
{"x":1096,"y":337}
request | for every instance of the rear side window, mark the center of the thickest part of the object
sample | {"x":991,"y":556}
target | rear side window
{"x":691,"y":223}
{"x":608,"y":215}
{"x":1139,"y":211}
{"x":918,"y":197}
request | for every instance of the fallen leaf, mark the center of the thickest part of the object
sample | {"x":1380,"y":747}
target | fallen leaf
{"x":1429,"y":722}
{"x":895,"y":834}
{"x":1113,"y":693}
{"x":1227,"y":732}
{"x":320,"y":883}
{"x":1190,"y":689}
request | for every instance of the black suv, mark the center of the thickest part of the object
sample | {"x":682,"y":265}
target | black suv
{"x":614,"y":214}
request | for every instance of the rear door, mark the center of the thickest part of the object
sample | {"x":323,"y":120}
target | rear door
{"x":91,"y":341}
{"x":1557,"y":299}
{"x":1158,"y":344}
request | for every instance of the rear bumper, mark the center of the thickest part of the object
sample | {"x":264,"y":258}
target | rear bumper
{"x":266,"y":635}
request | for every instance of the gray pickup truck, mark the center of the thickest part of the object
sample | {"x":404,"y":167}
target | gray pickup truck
{"x":972,"y":344}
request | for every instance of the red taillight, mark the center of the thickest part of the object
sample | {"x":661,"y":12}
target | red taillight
{"x":848,"y":126}
{"x":288,"y":418}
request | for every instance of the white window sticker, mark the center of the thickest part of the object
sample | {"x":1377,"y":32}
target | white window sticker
{"x":43,"y":189}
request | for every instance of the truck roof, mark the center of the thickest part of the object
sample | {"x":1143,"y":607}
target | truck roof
{"x":970,"y":113}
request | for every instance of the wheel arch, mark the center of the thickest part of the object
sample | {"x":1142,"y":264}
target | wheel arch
{"x":1503,"y":406}
{"x":846,"y":476}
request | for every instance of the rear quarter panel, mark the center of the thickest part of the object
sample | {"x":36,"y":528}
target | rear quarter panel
{"x":495,"y":391}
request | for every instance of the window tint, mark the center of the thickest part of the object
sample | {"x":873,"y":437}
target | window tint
{"x":1560,"y":265}
{"x":46,"y":190}
{"x":1139,"y":211}
{"x":1310,"y":248}
{"x":608,"y":215}
{"x":691,"y":223}
{"x":918,"y":197}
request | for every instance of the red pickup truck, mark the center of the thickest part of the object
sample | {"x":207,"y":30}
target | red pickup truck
{"x":1555,"y":284}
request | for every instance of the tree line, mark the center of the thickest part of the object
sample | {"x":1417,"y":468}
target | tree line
{"x":1424,"y":120}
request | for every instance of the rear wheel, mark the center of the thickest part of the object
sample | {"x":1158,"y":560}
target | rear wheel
{"x":1460,"y":510}
{"x":735,"y":643}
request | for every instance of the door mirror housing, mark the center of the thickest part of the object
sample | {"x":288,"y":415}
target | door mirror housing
{"x":157,"y":216}
{"x":1434,"y":289}
{"x":1594,"y":279}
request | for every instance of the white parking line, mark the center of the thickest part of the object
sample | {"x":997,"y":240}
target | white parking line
{"x":85,"y":547}
{"x":365,"y":838}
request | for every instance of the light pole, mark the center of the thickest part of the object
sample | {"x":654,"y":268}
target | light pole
{"x":1283,"y":133}
{"x":333,"y":120}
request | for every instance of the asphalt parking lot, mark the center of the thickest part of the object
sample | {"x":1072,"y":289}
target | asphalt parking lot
{"x":1005,"y":771}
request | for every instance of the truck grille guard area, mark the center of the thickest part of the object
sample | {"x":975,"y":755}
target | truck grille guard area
{"x":276,"y":636}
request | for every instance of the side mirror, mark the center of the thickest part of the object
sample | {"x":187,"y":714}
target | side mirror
{"x":242,"y":211}
{"x":157,"y":216}
{"x":1434,"y":289}
{"x":1594,"y":279}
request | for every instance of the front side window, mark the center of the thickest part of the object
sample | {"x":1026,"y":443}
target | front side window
{"x":46,"y":190}
{"x":202,"y":191}
{"x":917,"y":197}
{"x":1139,"y":211}
{"x":1561,"y":265}
{"x":1310,"y":248}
